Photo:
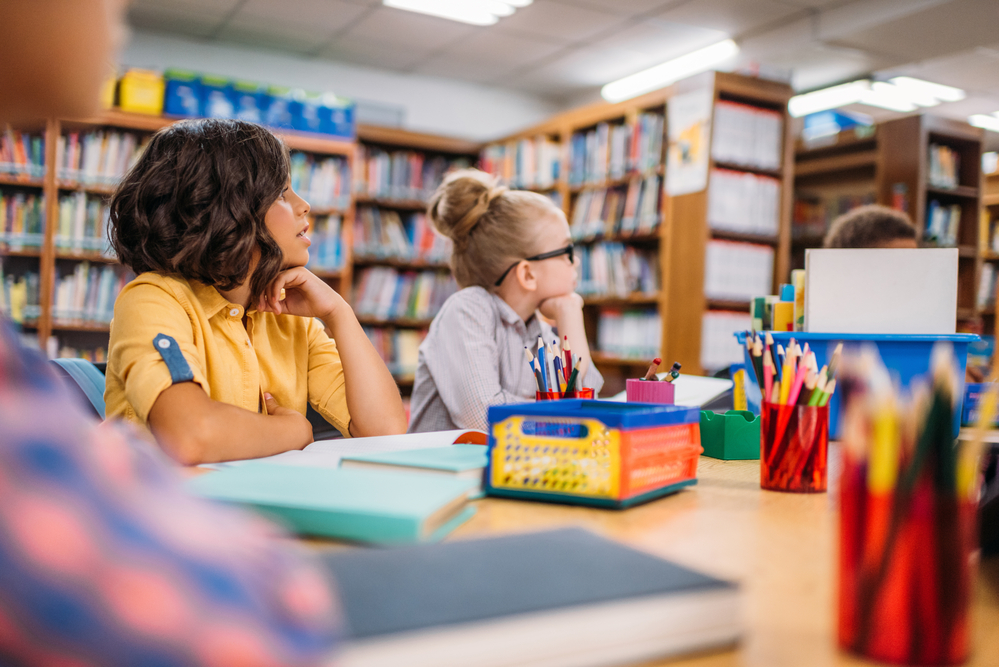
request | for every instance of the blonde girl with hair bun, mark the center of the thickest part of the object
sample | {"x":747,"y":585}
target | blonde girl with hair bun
{"x":513,"y":258}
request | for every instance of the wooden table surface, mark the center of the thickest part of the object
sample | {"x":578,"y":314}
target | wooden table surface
{"x":780,"y":547}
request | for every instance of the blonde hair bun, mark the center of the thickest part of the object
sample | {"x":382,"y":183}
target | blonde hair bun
{"x":460,"y":202}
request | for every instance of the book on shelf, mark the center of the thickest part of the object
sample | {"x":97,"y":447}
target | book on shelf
{"x":88,"y":293}
{"x":620,"y":210}
{"x":990,"y":233}
{"x":944,"y":166}
{"x":629,"y":334}
{"x":737,"y":271}
{"x":100,"y":157}
{"x":326,"y":252}
{"x":401,"y":174}
{"x":943,"y":223}
{"x":612,"y":151}
{"x":82,"y":225}
{"x":569,"y":597}
{"x":986,"y":297}
{"x":388,"y":234}
{"x":747,"y":136}
{"x":386,"y":293}
{"x":615,"y":269}
{"x":19,"y":294}
{"x":22,"y":221}
{"x":743,"y":202}
{"x":22,"y":154}
{"x":398,"y":348}
{"x":814,"y":213}
{"x":719,"y":347}
{"x":58,"y":350}
{"x":525,"y":163}
{"x":324,"y":182}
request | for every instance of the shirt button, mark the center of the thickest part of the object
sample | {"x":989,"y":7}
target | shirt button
{"x":164,"y":343}
{"x":234,"y":312}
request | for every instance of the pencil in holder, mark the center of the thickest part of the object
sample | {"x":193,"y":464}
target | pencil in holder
{"x":650,"y":391}
{"x":556,"y":395}
{"x":794,"y":444}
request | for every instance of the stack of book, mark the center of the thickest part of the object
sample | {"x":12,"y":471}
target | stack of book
{"x":617,"y":211}
{"x":87,"y":294}
{"x":528,"y":163}
{"x":401,"y":174}
{"x":747,"y":136}
{"x":399,"y":348}
{"x":97,"y":158}
{"x":326,"y":252}
{"x":987,"y":286}
{"x":737,"y":271}
{"x":83,"y":223}
{"x":945,"y":165}
{"x":629,"y":334}
{"x":388,"y":234}
{"x":19,"y":295}
{"x":22,"y":221}
{"x":719,"y":347}
{"x":744,"y":202}
{"x":942,"y":223}
{"x":22,"y":155}
{"x":614,"y":151}
{"x":385,"y":293}
{"x":614,"y":269}
{"x":324,"y":182}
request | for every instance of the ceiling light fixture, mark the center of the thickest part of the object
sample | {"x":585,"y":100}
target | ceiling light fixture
{"x":670,"y":71}
{"x":474,"y":12}
{"x":928,"y":88}
{"x":902,"y":94}
{"x":985,"y":122}
{"x":828,"y":98}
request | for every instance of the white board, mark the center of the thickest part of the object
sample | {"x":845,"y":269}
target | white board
{"x":881,"y":291}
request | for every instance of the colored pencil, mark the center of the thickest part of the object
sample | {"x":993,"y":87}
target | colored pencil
{"x":653,"y":367}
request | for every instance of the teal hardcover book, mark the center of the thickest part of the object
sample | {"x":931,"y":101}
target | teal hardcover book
{"x":382,"y":507}
{"x":456,"y":461}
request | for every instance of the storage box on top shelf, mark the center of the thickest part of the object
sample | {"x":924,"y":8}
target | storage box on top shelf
{"x":248,"y":99}
{"x":141,"y":91}
{"x":336,"y":117}
{"x":182,"y":95}
{"x":277,"y":108}
{"x":217,"y":97}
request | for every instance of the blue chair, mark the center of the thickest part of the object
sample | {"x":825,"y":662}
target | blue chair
{"x":86,"y":379}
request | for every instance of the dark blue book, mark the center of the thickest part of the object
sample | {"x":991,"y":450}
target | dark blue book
{"x":564,"y":597}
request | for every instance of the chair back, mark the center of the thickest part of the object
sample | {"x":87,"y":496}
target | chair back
{"x":86,"y":378}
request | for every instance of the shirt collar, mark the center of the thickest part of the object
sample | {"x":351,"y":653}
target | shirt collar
{"x":507,"y":313}
{"x":209,"y":297}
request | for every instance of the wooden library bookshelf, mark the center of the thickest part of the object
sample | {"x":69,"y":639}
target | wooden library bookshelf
{"x":989,"y":247}
{"x":927,"y":166}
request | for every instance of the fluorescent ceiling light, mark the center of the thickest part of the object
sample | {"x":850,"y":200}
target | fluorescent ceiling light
{"x":887,"y":96}
{"x":903,"y":93}
{"x":935,"y":90}
{"x":670,"y":71}
{"x":985,"y":122}
{"x":828,"y":98}
{"x":475,"y":12}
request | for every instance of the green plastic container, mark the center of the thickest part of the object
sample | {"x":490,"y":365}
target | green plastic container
{"x":733,"y":436}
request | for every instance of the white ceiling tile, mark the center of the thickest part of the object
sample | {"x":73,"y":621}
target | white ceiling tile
{"x":730,"y":16}
{"x":191,"y":23}
{"x":419,"y":31}
{"x":258,"y":33}
{"x":590,"y":66}
{"x":311,"y":15}
{"x":505,"y":49}
{"x":622,"y":7}
{"x":217,"y":8}
{"x":655,"y":41}
{"x":468,"y":69}
{"x":558,"y":21}
{"x":373,"y":53}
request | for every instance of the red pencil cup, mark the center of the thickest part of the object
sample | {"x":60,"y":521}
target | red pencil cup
{"x":650,"y":391}
{"x":794,"y":443}
{"x":905,"y":569}
{"x":554,"y":395}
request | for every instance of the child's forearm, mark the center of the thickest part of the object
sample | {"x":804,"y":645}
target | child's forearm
{"x":372,"y":395}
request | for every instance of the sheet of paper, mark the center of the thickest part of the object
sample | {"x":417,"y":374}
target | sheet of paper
{"x":691,"y":390}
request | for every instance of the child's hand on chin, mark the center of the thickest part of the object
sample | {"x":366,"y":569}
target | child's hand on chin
{"x":305,"y":295}
{"x":554,"y":307}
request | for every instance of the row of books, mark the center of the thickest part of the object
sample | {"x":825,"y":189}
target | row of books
{"x":527,"y":163}
{"x":398,"y":348}
{"x":56,"y":349}
{"x":22,"y":154}
{"x":942,"y":223}
{"x":386,"y":294}
{"x":615,"y":269}
{"x":613,"y":151}
{"x":390,"y":235}
{"x":19,"y":295}
{"x":743,"y":202}
{"x":324,"y":182}
{"x":88,"y":293}
{"x":747,"y":136}
{"x":987,"y":286}
{"x":618,"y":210}
{"x":990,"y":233}
{"x":737,"y":271}
{"x":101,"y":157}
{"x":813,"y":214}
{"x":629,"y":334}
{"x":719,"y":347}
{"x":401,"y":174}
{"x":945,"y":165}
{"x":83,"y":224}
{"x":326,"y":252}
{"x":22,"y":220}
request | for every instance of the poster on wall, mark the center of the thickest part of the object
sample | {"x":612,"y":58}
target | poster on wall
{"x":689,"y":123}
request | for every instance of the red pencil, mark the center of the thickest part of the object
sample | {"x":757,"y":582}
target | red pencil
{"x":567,"y":353}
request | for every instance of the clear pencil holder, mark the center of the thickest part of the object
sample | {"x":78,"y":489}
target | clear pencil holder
{"x":794,"y":444}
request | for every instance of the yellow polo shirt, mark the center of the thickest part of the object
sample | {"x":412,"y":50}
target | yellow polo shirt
{"x":289,"y":357}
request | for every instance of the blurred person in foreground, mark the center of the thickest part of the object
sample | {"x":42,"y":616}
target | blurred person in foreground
{"x":104,"y":559}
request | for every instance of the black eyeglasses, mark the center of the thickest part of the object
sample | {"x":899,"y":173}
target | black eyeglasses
{"x":568,"y":250}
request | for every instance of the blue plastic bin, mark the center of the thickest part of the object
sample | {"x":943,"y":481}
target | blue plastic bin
{"x":905,"y":356}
